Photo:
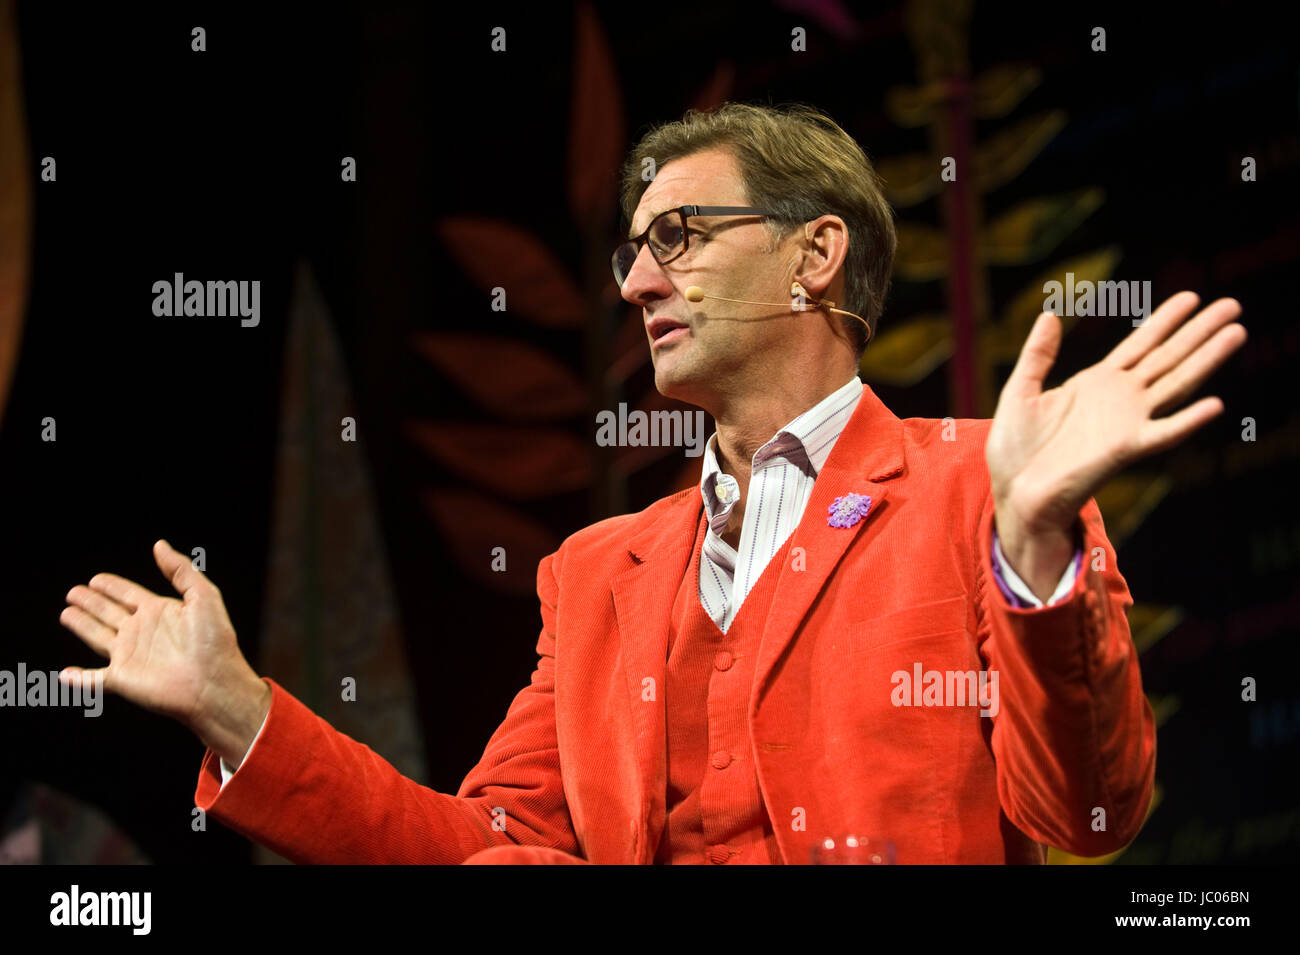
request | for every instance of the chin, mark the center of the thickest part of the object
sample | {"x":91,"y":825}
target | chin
{"x":667,"y":381}
{"x":678,"y":386}
{"x":665,"y":384}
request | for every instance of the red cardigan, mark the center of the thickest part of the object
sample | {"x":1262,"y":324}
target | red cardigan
{"x":578,"y":765}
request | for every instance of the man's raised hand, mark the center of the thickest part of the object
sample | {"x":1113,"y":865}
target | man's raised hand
{"x":1049,"y":451}
{"x":179,"y":658}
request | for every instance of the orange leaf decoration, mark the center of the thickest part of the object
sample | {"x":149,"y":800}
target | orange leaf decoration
{"x":518,"y":462}
{"x":630,"y":349}
{"x":15,"y":202}
{"x":511,"y":379}
{"x":473,"y":525}
{"x":596,"y":126}
{"x":498,"y":254}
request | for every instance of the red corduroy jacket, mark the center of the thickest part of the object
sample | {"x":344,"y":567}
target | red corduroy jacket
{"x":1066,"y":757}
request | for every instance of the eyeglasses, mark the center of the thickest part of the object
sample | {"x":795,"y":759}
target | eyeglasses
{"x":668,"y":237}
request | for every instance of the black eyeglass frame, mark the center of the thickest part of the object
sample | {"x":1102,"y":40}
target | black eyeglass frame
{"x":685,"y":212}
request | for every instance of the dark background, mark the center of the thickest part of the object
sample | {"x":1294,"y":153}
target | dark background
{"x":225,"y":165}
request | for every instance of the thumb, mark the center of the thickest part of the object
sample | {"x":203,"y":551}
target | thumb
{"x":178,"y":569}
{"x":1037,"y":356}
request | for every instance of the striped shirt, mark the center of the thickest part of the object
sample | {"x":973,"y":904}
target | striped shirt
{"x":780,"y":484}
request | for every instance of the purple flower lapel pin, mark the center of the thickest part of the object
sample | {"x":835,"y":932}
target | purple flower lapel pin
{"x":848,"y":509}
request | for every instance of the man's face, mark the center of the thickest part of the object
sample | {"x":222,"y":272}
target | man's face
{"x":723,"y":346}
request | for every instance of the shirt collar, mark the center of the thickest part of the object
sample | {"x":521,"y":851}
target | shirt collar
{"x":812,"y":433}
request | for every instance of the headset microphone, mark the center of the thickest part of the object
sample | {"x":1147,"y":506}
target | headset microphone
{"x":805,"y":302}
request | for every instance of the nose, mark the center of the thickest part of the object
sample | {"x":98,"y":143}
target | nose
{"x":646,"y":280}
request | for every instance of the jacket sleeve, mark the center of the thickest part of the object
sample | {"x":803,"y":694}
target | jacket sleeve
{"x":1073,"y":736}
{"x":315,"y":795}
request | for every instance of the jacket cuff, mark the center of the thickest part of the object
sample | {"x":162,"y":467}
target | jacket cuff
{"x":264,"y":768}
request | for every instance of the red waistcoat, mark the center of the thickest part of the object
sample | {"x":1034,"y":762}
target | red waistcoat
{"x":715,"y":810}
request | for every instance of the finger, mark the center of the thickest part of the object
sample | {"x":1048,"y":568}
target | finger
{"x":180,"y":571}
{"x":80,"y":676}
{"x":1037,"y":356}
{"x":1187,"y":339}
{"x":99,"y":605}
{"x":1158,"y":326}
{"x":126,"y":592}
{"x":1162,"y":433}
{"x":1175,"y":387}
{"x":92,"y":631}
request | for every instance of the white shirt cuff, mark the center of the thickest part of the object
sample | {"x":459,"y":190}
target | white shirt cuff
{"x":1021,"y":589}
{"x":226,"y":772}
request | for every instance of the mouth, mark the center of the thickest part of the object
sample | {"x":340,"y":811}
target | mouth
{"x":663,"y":330}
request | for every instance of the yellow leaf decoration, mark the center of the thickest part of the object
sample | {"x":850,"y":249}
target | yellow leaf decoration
{"x":1001,"y":88}
{"x":922,"y":254}
{"x":906,"y":354}
{"x":1150,"y":623}
{"x":1031,"y":230}
{"x":1126,"y":500}
{"x":1004,"y":340}
{"x":1006,"y":153}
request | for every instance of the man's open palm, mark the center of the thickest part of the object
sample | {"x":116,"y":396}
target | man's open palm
{"x":1049,"y":451}
{"x":163,"y":653}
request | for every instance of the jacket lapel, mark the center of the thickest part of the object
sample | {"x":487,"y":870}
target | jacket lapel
{"x":868,"y":450}
{"x":643,"y":605}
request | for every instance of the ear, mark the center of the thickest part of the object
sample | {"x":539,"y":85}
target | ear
{"x":821,"y":254}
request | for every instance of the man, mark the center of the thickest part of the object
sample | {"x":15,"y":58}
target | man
{"x":909,"y":631}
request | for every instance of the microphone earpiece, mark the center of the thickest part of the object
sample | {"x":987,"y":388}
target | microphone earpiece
{"x":694,"y":293}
